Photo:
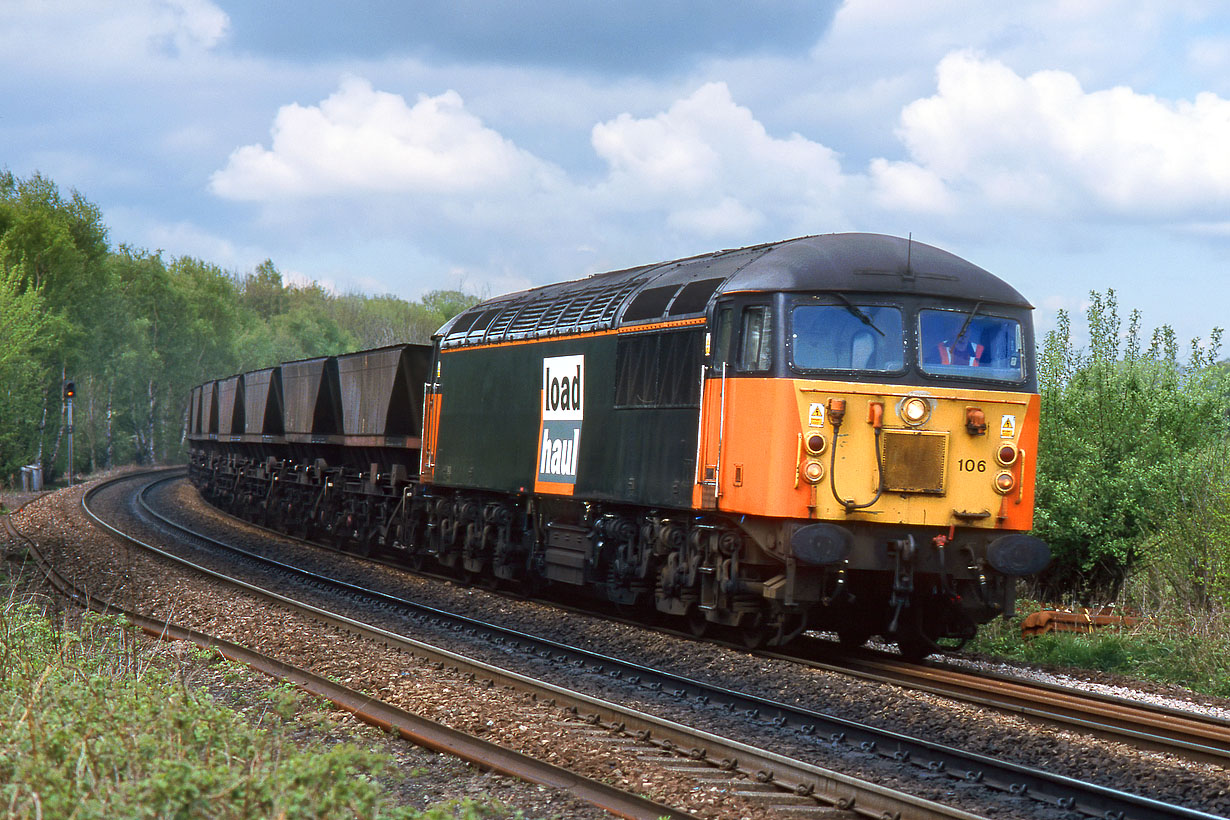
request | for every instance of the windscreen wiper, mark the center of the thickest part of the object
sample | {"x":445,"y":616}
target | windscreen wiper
{"x":968,"y":319}
{"x":857,"y":312}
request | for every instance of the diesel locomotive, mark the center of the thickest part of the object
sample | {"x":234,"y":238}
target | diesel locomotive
{"x":833,"y":433}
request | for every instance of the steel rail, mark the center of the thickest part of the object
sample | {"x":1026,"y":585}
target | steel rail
{"x":420,"y":731}
{"x":409,"y":726}
{"x":814,"y":785}
{"x":1062,"y":792}
{"x":1144,"y":725}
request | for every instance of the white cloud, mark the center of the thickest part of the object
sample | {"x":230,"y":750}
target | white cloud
{"x":715,"y":169}
{"x":189,"y":24}
{"x":904,"y":186}
{"x":1042,"y":143}
{"x":705,"y":167}
{"x":70,"y":35}
{"x":362,"y":140}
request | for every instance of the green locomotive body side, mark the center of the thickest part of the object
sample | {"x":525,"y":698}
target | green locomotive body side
{"x":490,"y":434}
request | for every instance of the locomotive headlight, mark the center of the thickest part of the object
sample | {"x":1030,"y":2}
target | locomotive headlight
{"x":814,"y":442}
{"x":914,"y":410}
{"x":813,"y":471}
{"x":1004,"y":482}
{"x":1006,"y":455}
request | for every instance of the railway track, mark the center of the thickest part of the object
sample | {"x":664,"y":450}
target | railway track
{"x":1143,"y":725}
{"x":1062,"y":793}
{"x":752,"y":774}
{"x":422,"y":732}
{"x":1140,"y":724}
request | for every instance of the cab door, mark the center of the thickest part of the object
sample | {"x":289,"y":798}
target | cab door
{"x":742,"y":344}
{"x":713,"y":406}
{"x":431,"y":417}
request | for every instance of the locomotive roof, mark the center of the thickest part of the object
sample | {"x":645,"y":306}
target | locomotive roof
{"x":684,"y":288}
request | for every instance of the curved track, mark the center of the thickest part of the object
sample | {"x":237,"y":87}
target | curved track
{"x":760,"y":775}
{"x":1143,"y":725}
{"x":1060,"y":792}
{"x":409,"y":726}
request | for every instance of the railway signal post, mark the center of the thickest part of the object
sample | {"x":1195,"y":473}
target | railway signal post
{"x":70,"y":390}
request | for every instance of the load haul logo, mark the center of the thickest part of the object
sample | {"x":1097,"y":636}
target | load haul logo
{"x":563,"y":410}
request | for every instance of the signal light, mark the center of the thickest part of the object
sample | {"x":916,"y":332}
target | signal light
{"x":815,"y":443}
{"x":1004,"y":483}
{"x":70,"y":390}
{"x":1006,"y":455}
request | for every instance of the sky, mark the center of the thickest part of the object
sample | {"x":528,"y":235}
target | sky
{"x":403,"y":146}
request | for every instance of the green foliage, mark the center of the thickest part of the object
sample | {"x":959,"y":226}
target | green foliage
{"x":384,"y":320}
{"x":89,"y":728}
{"x":1123,"y":429}
{"x":1164,"y":651}
{"x":136,"y":331}
{"x":1186,"y":562}
{"x":23,"y":329}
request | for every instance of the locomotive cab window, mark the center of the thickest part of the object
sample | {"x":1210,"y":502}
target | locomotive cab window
{"x":968,"y":343}
{"x":755,"y":339}
{"x":847,"y":337}
{"x":723,"y":330}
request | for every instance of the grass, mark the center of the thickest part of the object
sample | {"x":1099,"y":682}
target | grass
{"x":1166,"y":651}
{"x":92,"y":726}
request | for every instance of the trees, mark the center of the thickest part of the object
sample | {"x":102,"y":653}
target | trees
{"x":55,"y":247}
{"x":1125,"y":433}
{"x":136,"y":331}
{"x":22,"y":374}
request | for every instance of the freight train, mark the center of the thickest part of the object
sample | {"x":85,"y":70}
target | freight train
{"x":834,"y":433}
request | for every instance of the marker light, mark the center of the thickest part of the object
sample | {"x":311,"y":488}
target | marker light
{"x":837,"y":411}
{"x":915,"y":410}
{"x":814,"y":442}
{"x":813,"y":471}
{"x":875,"y":414}
{"x":975,"y":421}
{"x":1006,"y":455}
{"x":1004,"y":482}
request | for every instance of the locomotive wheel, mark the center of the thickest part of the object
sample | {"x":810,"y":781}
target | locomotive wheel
{"x":853,"y":636}
{"x":929,"y":621}
{"x":913,"y":646}
{"x":698,"y":624}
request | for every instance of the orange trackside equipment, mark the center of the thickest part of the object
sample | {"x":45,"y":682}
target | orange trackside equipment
{"x":1083,"y":620}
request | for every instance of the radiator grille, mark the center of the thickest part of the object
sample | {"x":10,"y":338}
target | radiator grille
{"x":914,"y":461}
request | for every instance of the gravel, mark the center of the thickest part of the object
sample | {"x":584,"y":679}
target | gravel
{"x":1114,"y":765}
{"x":513,"y":720}
{"x":527,"y":726}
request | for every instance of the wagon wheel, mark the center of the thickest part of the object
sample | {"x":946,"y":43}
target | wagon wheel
{"x":753,"y":631}
{"x":364,"y":543}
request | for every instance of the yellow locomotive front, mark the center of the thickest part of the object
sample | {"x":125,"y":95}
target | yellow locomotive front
{"x":877,"y":446}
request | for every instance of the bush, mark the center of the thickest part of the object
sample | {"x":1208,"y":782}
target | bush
{"x":1123,"y":442}
{"x":90,"y":729}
